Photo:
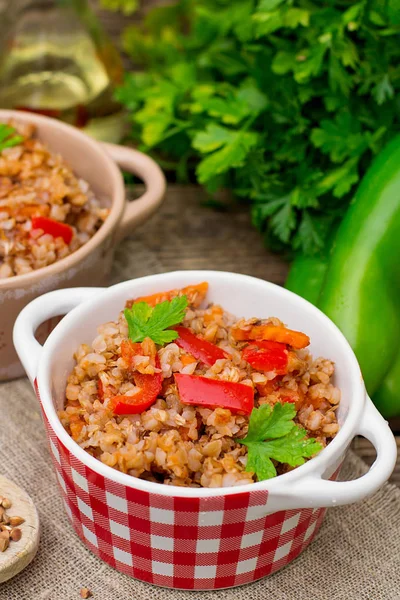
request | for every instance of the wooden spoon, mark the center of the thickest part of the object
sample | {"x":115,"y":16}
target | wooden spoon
{"x":19,"y":554}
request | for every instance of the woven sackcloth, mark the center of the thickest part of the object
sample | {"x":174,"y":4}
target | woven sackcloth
{"x":355,"y":556}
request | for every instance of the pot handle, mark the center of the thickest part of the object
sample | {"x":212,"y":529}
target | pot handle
{"x":52,"y":304}
{"x":315,"y":492}
{"x":137,"y":211}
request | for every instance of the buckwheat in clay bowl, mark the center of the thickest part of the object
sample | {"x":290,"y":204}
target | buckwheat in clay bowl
{"x":198,"y":421}
{"x":62,"y":209}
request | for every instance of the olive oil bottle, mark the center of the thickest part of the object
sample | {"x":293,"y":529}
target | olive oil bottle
{"x":56,"y":60}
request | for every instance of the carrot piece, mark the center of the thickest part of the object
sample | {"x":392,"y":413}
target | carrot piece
{"x":27,"y":210}
{"x":195,"y":295}
{"x":76,"y":425}
{"x":151,"y":300}
{"x":216,"y":311}
{"x":129,"y":350}
{"x":267,"y":388}
{"x":272,"y":333}
{"x":295,"y":397}
{"x":31,"y":210}
{"x":187,"y":359}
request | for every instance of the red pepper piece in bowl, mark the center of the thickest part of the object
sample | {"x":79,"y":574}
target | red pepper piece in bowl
{"x":267,"y":356}
{"x":203,"y":350}
{"x":213,"y":393}
{"x":150,"y":385}
{"x":54,"y":228}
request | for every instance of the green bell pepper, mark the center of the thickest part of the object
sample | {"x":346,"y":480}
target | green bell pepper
{"x":357,"y":282}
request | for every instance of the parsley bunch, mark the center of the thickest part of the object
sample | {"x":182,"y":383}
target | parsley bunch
{"x":283,"y":102}
{"x":273,"y":434}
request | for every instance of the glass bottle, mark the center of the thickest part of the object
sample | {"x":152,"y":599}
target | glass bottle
{"x":55,"y":59}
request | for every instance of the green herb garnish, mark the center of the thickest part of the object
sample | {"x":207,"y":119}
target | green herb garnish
{"x":145,"y":321}
{"x":274,"y":435}
{"x":283,"y":103}
{"x":9,"y":137}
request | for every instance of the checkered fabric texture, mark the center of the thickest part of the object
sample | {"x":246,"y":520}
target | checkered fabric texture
{"x":171,"y":541}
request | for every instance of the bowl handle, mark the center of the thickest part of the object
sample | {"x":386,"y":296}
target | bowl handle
{"x":137,"y":211}
{"x":52,"y":304}
{"x":315,"y":492}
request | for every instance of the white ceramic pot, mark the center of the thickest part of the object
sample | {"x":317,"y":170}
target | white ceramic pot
{"x":198,"y":538}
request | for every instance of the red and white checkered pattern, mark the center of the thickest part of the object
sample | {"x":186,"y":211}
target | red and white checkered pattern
{"x":186,"y":543}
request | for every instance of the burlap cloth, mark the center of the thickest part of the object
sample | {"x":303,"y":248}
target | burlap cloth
{"x":356,"y":554}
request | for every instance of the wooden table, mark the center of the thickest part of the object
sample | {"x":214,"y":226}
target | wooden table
{"x":187,"y":234}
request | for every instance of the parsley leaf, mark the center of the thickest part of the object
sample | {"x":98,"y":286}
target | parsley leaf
{"x":383,"y":90}
{"x":232,"y":153}
{"x":8,"y":137}
{"x":259,"y":461}
{"x":266,"y":421}
{"x":145,"y":321}
{"x":212,"y":138}
{"x":340,"y":138}
{"x":266,"y":5}
{"x":273,"y":435}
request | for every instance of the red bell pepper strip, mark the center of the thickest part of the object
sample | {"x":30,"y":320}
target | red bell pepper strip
{"x":267,"y":356}
{"x":213,"y":393}
{"x":150,"y":385}
{"x":54,"y":228}
{"x":131,"y":405}
{"x":204,"y":351}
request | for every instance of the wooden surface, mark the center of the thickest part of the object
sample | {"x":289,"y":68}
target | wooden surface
{"x":19,"y":554}
{"x":186,"y":234}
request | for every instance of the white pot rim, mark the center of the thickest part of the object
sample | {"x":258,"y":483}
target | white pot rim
{"x":329,"y":455}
